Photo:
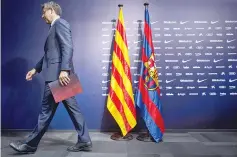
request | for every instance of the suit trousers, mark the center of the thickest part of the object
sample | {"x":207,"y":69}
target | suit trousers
{"x":46,"y":115}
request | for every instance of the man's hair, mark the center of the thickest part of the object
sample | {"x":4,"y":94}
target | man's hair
{"x":52,"y":5}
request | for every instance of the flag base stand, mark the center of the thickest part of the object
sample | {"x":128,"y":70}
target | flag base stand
{"x":146,"y":137}
{"x":119,"y":137}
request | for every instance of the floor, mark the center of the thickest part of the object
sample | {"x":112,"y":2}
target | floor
{"x":189,"y":144}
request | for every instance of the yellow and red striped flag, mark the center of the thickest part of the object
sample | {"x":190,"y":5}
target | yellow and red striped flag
{"x":120,"y":101}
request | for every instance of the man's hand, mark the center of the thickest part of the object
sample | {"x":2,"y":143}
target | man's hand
{"x":30,"y":74}
{"x":63,"y":78}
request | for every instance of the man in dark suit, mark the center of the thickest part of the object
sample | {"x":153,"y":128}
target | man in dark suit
{"x":55,"y":64}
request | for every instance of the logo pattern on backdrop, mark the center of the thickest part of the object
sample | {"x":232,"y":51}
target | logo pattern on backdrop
{"x":193,"y":58}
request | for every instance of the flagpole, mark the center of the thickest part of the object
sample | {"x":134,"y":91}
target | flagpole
{"x":146,"y":5}
{"x":118,"y":136}
{"x":146,"y":136}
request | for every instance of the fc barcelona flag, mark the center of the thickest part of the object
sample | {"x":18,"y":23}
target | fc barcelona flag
{"x":120,"y":101}
{"x":148,"y":93}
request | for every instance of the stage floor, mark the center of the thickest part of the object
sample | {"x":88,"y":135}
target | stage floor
{"x":190,"y":144}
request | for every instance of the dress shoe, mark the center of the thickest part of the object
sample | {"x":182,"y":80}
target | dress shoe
{"x":21,"y":147}
{"x":80,"y":147}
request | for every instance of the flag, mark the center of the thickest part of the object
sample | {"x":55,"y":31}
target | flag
{"x":148,"y":92}
{"x":120,"y":102}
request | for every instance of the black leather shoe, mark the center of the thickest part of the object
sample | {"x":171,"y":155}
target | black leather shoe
{"x":80,"y":147}
{"x":21,"y":147}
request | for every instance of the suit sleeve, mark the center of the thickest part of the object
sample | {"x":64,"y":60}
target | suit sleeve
{"x":38,"y":66}
{"x":63,"y":34}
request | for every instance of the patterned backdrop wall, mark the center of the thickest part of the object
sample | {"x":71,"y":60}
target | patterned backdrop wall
{"x":195,"y":48}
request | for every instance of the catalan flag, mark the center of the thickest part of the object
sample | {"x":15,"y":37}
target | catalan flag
{"x":147,"y":96}
{"x":120,"y":102}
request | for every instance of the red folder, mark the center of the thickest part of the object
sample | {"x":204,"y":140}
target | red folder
{"x":64,"y":92}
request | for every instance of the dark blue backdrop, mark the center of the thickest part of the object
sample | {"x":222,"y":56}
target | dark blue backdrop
{"x":24,"y":34}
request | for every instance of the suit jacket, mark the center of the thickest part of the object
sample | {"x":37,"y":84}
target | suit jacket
{"x":58,"y":50}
